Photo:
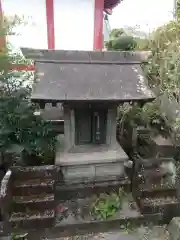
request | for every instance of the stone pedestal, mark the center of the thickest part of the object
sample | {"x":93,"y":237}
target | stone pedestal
{"x":90,"y":163}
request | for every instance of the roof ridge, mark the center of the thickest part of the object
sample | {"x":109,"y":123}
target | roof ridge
{"x":121,"y":62}
{"x":86,"y":56}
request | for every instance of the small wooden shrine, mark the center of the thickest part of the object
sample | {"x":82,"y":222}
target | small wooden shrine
{"x":90,"y":85}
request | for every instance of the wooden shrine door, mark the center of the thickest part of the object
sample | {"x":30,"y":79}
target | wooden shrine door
{"x":90,"y":126}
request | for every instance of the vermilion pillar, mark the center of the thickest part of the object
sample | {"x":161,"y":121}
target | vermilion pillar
{"x":98,"y":25}
{"x":50,"y":23}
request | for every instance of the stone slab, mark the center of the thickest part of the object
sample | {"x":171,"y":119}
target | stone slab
{"x":93,"y":172}
{"x":95,"y":155}
{"x":174,"y":229}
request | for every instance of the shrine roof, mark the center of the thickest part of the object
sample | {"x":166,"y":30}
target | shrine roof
{"x":87,"y":76}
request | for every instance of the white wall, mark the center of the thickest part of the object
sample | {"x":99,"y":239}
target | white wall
{"x":34,"y":34}
{"x":73,"y":21}
{"x":74,"y":24}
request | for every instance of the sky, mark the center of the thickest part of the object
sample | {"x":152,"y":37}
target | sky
{"x":145,"y":15}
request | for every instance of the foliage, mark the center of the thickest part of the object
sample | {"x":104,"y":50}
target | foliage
{"x":163,"y":67}
{"x":148,"y":116}
{"x":163,"y":75}
{"x":116,"y":33}
{"x":21,"y":132}
{"x":119,"y":40}
{"x":106,"y":205}
{"x":176,"y":125}
{"x":127,"y":39}
{"x":15,"y":236}
{"x":178,"y":10}
{"x":122,"y":43}
{"x":176,"y":130}
{"x":11,"y":23}
{"x":142,"y":44}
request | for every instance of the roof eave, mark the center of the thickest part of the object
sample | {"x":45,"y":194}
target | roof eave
{"x":108,"y":6}
{"x":148,"y":99}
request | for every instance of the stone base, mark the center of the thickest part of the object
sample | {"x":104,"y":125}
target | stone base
{"x":85,"y":164}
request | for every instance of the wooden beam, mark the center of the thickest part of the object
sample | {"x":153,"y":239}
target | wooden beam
{"x":22,"y":67}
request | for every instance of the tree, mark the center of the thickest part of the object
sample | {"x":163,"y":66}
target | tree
{"x":164,"y":65}
{"x":116,"y":33}
{"x":163,"y":70}
{"x":22,"y":134}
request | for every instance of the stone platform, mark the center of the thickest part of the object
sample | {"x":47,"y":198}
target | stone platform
{"x":92,"y":163}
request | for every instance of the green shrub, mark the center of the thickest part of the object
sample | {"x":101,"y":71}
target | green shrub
{"x":22,"y":134}
{"x":107,"y":205}
{"x":122,"y":43}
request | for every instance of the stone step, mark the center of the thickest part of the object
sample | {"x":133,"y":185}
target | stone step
{"x":151,"y":162}
{"x":74,"y":191}
{"x":153,"y":173}
{"x":26,"y":173}
{"x":33,"y":187}
{"x":34,"y":183}
{"x":34,"y":202}
{"x":165,"y":205}
{"x":32,"y":219}
{"x":157,"y":190}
